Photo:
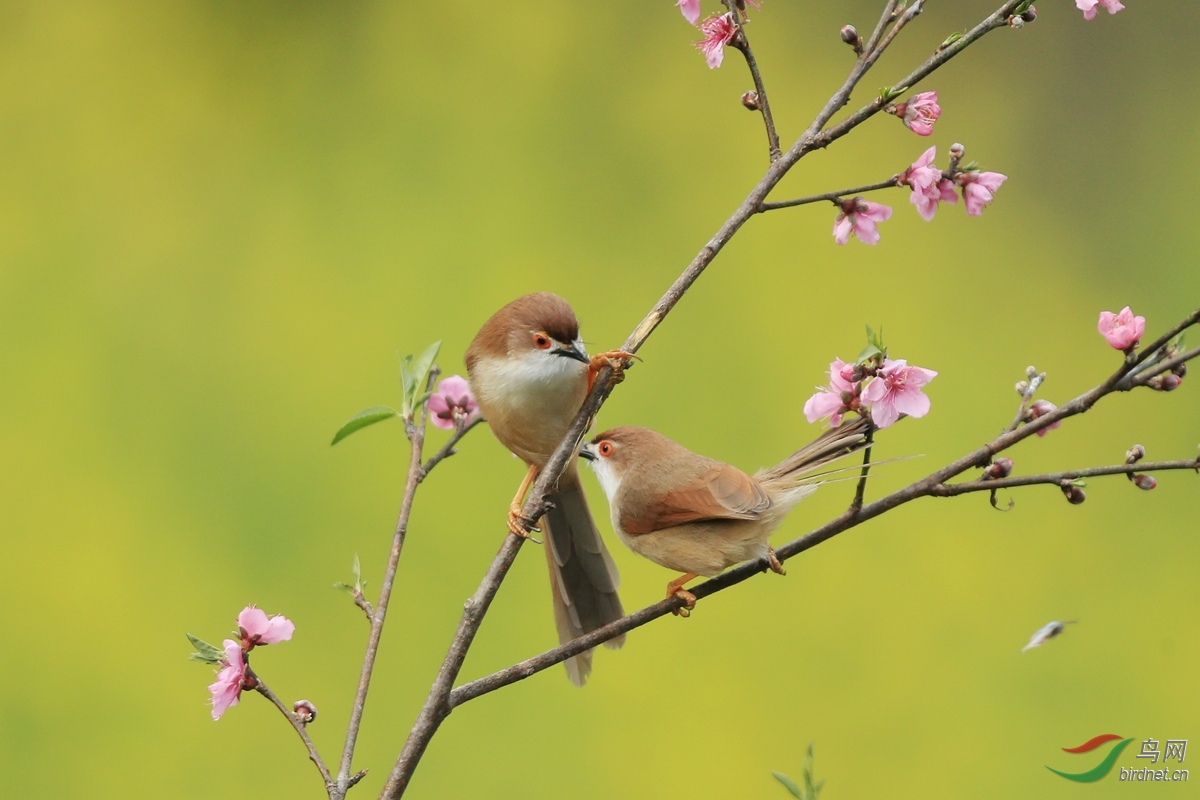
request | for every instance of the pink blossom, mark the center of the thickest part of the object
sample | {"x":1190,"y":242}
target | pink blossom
{"x":1088,"y":7}
{"x":1041,"y":408}
{"x":834,"y":400}
{"x":718,"y":31}
{"x":858,"y":217}
{"x":978,"y":188}
{"x":453,"y":404}
{"x":896,"y":390}
{"x":690,"y":10}
{"x":227,"y":689}
{"x":928,"y":186}
{"x":920,"y":112}
{"x":1123,"y":330}
{"x":256,"y":628}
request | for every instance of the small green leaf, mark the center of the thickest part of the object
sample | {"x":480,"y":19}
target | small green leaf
{"x":789,"y":784}
{"x":949,"y":40}
{"x":362,"y":419}
{"x":345,"y":587}
{"x":357,"y":568}
{"x":205,"y":652}
{"x":414,"y":372}
{"x":868,"y":352}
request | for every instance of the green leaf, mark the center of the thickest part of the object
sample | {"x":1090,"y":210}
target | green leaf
{"x":868,"y":352}
{"x":345,"y":587}
{"x":362,"y":419}
{"x":949,"y":40}
{"x":789,"y":784}
{"x":357,"y":568}
{"x":414,"y":372}
{"x":205,"y":652}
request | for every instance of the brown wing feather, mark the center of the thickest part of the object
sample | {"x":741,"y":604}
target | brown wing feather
{"x":721,"y":492}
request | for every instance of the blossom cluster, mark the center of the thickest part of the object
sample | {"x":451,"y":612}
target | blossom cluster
{"x":882,"y":388}
{"x":255,"y":628}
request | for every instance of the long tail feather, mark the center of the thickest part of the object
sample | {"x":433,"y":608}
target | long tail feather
{"x":830,"y":446}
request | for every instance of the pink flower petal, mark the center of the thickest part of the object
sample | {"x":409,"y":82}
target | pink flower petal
{"x":690,"y":10}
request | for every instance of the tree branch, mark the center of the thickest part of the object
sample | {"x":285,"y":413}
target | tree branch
{"x":742,"y":43}
{"x":438,"y":703}
{"x":832,"y":197}
{"x":1058,"y":478}
{"x":416,"y":474}
{"x":933,"y":485}
{"x":301,"y":731}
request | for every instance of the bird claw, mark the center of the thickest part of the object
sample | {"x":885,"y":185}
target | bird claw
{"x":774,"y":563}
{"x":617,"y":359}
{"x":689,"y":601}
{"x":521,"y":525}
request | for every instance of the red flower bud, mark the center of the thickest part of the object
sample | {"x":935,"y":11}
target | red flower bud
{"x":1000,"y":468}
{"x":305,"y":711}
{"x":1075,"y":496}
{"x":1144,"y":482}
{"x":750,"y":100}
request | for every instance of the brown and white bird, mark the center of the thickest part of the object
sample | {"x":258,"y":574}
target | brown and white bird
{"x":530,"y":373}
{"x":690,"y":513}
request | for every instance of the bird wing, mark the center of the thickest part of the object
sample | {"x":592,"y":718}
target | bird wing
{"x":721,"y":492}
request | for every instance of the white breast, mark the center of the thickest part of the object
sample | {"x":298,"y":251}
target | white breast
{"x":529,"y":402}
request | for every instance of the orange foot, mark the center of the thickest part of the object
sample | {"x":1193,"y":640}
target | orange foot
{"x":521,"y":525}
{"x":617,"y":359}
{"x":773,"y":560}
{"x":675,"y":589}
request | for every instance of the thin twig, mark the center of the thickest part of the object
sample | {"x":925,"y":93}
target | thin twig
{"x":448,"y":448}
{"x":830,"y":196}
{"x":416,"y":436}
{"x":861,"y":489}
{"x":742,"y":43}
{"x":1057,"y":478}
{"x":926,"y":487}
{"x":1141,"y":378}
{"x":313,"y":755}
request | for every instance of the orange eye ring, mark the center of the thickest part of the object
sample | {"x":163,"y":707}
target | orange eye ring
{"x":541,"y":341}
{"x":605,"y":448}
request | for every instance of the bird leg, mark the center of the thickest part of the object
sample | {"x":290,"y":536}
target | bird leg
{"x":613,"y":358}
{"x":675,"y":589}
{"x":773,"y":561}
{"x":518,"y":523}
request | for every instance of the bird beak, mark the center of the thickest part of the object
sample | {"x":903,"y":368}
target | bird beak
{"x":570,"y":351}
{"x":587,"y":454}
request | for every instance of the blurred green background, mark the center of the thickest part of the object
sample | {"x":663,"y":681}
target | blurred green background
{"x":220,"y":221}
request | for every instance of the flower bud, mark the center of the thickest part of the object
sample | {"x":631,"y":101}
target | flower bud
{"x":850,"y":36}
{"x":1000,"y":468}
{"x":305,"y":711}
{"x":750,"y":100}
{"x":1031,"y":372}
{"x":1029,"y":14}
{"x":957,"y":151}
{"x":1022,"y":387}
{"x":1169,"y":382}
{"x":1144,"y":482}
{"x":1180,"y":370}
{"x":1135,"y":454}
{"x":1074,"y":494}
{"x":1016,"y":23}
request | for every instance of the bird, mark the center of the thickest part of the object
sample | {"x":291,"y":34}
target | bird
{"x":530,"y":373}
{"x":699,"y":516}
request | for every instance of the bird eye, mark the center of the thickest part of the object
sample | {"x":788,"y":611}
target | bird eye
{"x":606,"y":448}
{"x":541,"y":341}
